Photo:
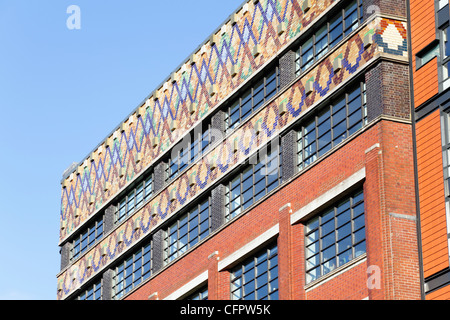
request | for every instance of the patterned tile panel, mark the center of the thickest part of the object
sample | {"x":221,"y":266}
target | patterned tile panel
{"x":354,"y":56}
{"x":202,"y":84}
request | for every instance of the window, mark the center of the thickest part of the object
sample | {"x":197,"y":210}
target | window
{"x":446,"y":156}
{"x":93,"y":292}
{"x":201,"y":294}
{"x":134,"y":199}
{"x":445,"y":53}
{"x":427,"y":54}
{"x":251,"y":98}
{"x":257,"y":277}
{"x":132,"y":271}
{"x":188,"y":152}
{"x":327,"y":35}
{"x":331,"y":125}
{"x":335,"y":237}
{"x":87,"y":238}
{"x":187,"y":230}
{"x":253,"y":182}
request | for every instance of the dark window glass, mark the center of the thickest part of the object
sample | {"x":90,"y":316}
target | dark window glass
{"x":132,"y":271}
{"x":201,"y":294}
{"x":335,"y":237}
{"x":328,"y":34}
{"x":128,"y":204}
{"x":187,"y":230}
{"x":92,"y":292}
{"x":86,"y":238}
{"x":257,"y":277}
{"x":331,"y":125}
{"x":252,"y":98}
{"x":253,"y":182}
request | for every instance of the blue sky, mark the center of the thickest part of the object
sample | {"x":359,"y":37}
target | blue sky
{"x":61,"y":92}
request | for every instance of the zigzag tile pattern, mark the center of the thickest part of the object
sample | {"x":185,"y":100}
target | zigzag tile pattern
{"x":354,"y":57}
{"x":84,"y":189}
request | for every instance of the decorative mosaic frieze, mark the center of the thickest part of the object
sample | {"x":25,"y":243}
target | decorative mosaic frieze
{"x":291,"y":104}
{"x":241,"y":46}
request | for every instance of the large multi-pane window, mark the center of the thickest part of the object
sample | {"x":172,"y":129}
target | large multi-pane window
{"x":328,"y":34}
{"x":335,"y":237}
{"x":87,"y":238}
{"x":254,"y":181}
{"x":132,"y":271}
{"x":187,"y":230}
{"x":257,"y":277}
{"x":252,"y":98}
{"x":186,"y":152}
{"x":134,"y":199}
{"x":93,"y":292}
{"x":331,"y":125}
{"x":201,"y":294}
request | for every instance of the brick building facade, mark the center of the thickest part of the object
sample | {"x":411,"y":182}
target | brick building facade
{"x":277,"y":162}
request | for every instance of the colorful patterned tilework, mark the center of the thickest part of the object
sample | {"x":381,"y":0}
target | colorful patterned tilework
{"x":354,"y":57}
{"x":84,"y":192}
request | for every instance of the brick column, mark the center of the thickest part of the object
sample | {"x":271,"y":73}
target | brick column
{"x":387,"y":91}
{"x":107,"y":285}
{"x":391,"y":7}
{"x":374,"y":212}
{"x":65,"y":255}
{"x":298,"y":262}
{"x":289,"y":160}
{"x":158,"y":251}
{"x":287,"y":68}
{"x":391,"y":239}
{"x":213,"y":276}
{"x":284,"y":253}
{"x":218,"y":281}
{"x":217,"y":207}
{"x":159,"y":176}
{"x":108,"y":223}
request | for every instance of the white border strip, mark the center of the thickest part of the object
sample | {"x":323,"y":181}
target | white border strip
{"x":328,"y":196}
{"x":247,"y":248}
{"x":188,"y":286}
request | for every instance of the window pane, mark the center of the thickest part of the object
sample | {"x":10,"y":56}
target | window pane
{"x":254,"y":282}
{"x":340,"y":240}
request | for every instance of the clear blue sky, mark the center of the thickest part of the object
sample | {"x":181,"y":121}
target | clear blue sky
{"x":61,"y":92}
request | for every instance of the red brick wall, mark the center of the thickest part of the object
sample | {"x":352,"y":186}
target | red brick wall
{"x":381,"y":170}
{"x":350,"y":285}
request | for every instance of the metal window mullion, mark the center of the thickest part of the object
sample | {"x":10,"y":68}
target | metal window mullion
{"x":303,"y":146}
{"x":178,"y":238}
{"x":316,"y":140}
{"x":320,"y":246}
{"x":240,"y":109}
{"x":300,"y":58}
{"x":328,"y":34}
{"x":358,"y":10}
{"x":314,"y":46}
{"x":126,"y":206}
{"x":347,"y":120}
{"x":241,"y":193}
{"x":335,"y":236}
{"x":361,"y":96}
{"x":265,"y":87}
{"x":253,"y":182}
{"x":252,"y":90}
{"x":352,"y":227}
